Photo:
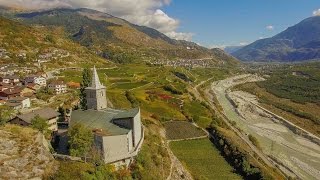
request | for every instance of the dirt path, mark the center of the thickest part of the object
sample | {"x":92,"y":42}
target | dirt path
{"x":177,"y":170}
{"x":296,"y":155}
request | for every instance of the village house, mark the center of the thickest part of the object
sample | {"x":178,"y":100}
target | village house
{"x":27,"y":91}
{"x":19,"y":103}
{"x":33,"y":86}
{"x":118,"y":133}
{"x":10,"y":93}
{"x":36,"y":80}
{"x":58,"y":87}
{"x":49,"y":114}
{"x":73,"y":85}
{"x":4,"y":86}
{"x":10,"y":79}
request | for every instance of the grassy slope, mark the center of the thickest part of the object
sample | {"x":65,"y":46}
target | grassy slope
{"x":203,"y":160}
{"x":112,"y":35}
{"x":17,"y":38}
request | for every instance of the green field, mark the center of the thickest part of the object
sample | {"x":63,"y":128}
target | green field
{"x":129,"y":85}
{"x":182,"y":130}
{"x":299,"y":85}
{"x":203,"y":160}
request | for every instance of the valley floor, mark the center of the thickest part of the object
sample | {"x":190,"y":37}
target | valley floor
{"x":295,"y":154}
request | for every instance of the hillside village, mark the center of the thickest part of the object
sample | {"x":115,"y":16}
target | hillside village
{"x":18,"y":92}
{"x":23,"y":93}
{"x":88,"y":95}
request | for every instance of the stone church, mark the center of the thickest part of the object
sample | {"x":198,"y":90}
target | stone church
{"x":118,"y":133}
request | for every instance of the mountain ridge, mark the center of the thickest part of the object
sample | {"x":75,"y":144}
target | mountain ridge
{"x":113,"y":38}
{"x":300,"y":42}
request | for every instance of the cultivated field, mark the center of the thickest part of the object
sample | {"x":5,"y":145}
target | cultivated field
{"x":203,"y":160}
{"x":182,"y":130}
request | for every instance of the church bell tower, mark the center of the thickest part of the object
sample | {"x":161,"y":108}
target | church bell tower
{"x":96,"y":93}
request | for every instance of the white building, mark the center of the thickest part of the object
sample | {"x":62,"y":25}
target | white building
{"x":10,"y":79}
{"x":118,"y":133}
{"x":19,"y":102}
{"x":59,"y":87}
{"x":36,"y":80}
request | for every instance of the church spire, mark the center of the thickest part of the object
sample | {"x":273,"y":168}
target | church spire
{"x":95,"y":83}
{"x":96,"y":93}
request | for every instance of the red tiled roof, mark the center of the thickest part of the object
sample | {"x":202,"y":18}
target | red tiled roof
{"x":10,"y":91}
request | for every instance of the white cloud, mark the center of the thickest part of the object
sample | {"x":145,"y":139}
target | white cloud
{"x":243,"y":43}
{"x":270,"y":27}
{"x":220,"y":46}
{"x":316,"y":12}
{"x":141,"y":12}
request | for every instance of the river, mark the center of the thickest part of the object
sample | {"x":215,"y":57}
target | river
{"x":297,"y":155}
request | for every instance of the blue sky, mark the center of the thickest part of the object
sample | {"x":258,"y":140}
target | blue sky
{"x":231,"y":22}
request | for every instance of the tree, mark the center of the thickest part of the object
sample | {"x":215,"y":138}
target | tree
{"x":80,"y":140}
{"x":5,"y":114}
{"x":62,"y":112}
{"x":44,"y":93}
{"x":86,"y":80}
{"x":40,"y":124}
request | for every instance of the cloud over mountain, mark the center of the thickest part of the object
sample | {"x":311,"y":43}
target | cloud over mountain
{"x":316,"y":12}
{"x":141,"y":12}
{"x":270,"y":27}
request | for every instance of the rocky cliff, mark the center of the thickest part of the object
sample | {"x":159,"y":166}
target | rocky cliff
{"x":24,"y":154}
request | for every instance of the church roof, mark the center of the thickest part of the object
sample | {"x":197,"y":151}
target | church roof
{"x":95,"y":82}
{"x":127,"y":114}
{"x":102,"y":120}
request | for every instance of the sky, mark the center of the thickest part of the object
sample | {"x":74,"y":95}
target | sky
{"x":216,"y":23}
{"x":211,"y":23}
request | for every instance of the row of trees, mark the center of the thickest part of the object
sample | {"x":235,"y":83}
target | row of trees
{"x":86,"y":80}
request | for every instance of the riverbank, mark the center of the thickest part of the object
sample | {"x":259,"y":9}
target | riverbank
{"x":295,"y":154}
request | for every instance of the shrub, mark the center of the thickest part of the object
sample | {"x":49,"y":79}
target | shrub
{"x":80,"y":140}
{"x":133,"y":100}
{"x":254,"y":141}
{"x":5,"y":114}
{"x":172,"y":89}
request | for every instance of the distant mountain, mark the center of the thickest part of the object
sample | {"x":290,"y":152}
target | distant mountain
{"x":298,"y":43}
{"x":114,"y":38}
{"x":232,"y":49}
{"x":222,"y":54}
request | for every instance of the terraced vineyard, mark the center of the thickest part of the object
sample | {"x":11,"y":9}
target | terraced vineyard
{"x":203,"y":160}
{"x":182,"y":130}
